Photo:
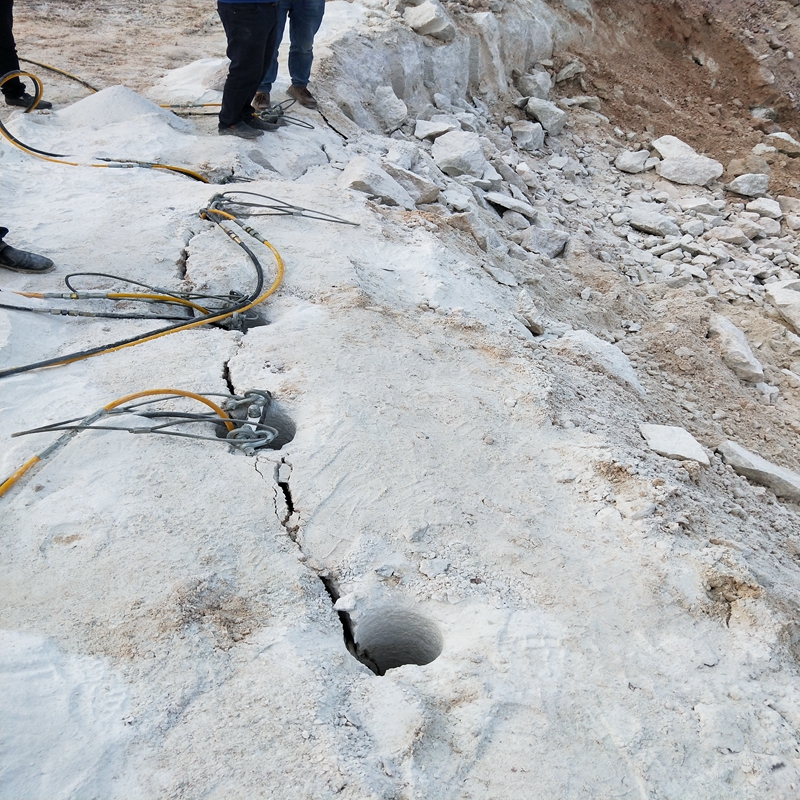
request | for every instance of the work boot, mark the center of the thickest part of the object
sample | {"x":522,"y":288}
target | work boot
{"x":25,"y":100}
{"x":302,"y":95}
{"x":240,"y":129}
{"x":22,"y":261}
{"x":261,"y":101}
{"x":261,"y":124}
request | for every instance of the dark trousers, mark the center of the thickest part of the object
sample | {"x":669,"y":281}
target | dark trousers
{"x":250,"y":29}
{"x":8,"y":50}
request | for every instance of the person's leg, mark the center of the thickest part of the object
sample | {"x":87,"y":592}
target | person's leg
{"x":249,"y":28}
{"x":305,"y":17}
{"x":8,"y":50}
{"x":271,"y":72}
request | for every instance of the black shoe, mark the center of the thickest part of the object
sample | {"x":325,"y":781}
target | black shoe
{"x":26,"y":100}
{"x":22,"y":261}
{"x":240,"y":129}
{"x":261,"y":124}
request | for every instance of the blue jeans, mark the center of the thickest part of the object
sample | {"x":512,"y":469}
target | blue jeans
{"x":305,"y":17}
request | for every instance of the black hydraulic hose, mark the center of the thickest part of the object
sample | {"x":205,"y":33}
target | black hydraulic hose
{"x":213,"y":317}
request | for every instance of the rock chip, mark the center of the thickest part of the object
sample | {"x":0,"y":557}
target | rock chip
{"x":364,"y":175}
{"x":584,"y":346}
{"x":652,"y":222}
{"x":736,"y":352}
{"x":673,"y":442}
{"x":782,"y":481}
{"x":548,"y":114}
{"x":785,"y":296}
{"x":749,"y":185}
{"x":632,"y":161}
{"x":544,"y":241}
{"x":681,"y":164}
{"x":433,"y":567}
{"x":527,"y":135}
{"x":430,"y":19}
{"x":459,"y":153}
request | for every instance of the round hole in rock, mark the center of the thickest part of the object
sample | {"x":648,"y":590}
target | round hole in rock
{"x":392,"y":636}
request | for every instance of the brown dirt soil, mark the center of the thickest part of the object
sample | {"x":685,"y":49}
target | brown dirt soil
{"x":695,"y":69}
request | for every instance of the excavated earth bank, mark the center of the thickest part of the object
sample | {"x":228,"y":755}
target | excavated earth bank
{"x":475,"y":572}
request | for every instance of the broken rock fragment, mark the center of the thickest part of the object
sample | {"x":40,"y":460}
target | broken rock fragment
{"x":430,"y":19}
{"x":504,"y":201}
{"x":544,"y":241}
{"x":584,"y":347}
{"x":537,"y":84}
{"x":421,"y":189}
{"x":364,"y":175}
{"x":527,"y":135}
{"x":682,"y":164}
{"x":548,"y":114}
{"x":784,"y":143}
{"x":459,"y":153}
{"x":652,"y":222}
{"x":749,"y":185}
{"x":632,"y":161}
{"x":782,"y":481}
{"x":736,"y":352}
{"x":785,"y":296}
{"x":673,"y":442}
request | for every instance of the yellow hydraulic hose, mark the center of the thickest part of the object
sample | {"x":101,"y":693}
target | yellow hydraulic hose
{"x":55,"y":159}
{"x":62,"y":440}
{"x":161,"y":298}
{"x":60,"y":72}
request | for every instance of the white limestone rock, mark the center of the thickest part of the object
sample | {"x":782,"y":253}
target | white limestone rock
{"x":545,"y":241}
{"x":527,"y":135}
{"x":528,"y":314}
{"x":700,"y":205}
{"x":728,"y":234}
{"x":584,"y":347}
{"x":430,"y":19}
{"x":642,"y":219}
{"x":784,"y":143}
{"x":784,"y":482}
{"x":673,"y":442}
{"x":571,"y":70}
{"x":536,"y":84}
{"x":427,"y":129}
{"x":789,"y":205}
{"x":389,"y":108}
{"x":750,"y":185}
{"x":459,"y":153}
{"x":632,"y":161}
{"x":635,"y":508}
{"x":785,"y":296}
{"x":765,"y":207}
{"x":504,"y":201}
{"x":548,"y":114}
{"x":421,"y":189}
{"x":364,"y":175}
{"x":682,"y":164}
{"x":736,"y":352}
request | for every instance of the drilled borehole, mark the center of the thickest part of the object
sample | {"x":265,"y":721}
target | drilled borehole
{"x":391,"y":636}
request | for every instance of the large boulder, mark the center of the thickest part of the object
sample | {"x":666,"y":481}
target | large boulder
{"x":782,"y":481}
{"x":459,"y":153}
{"x":736,"y":352}
{"x":682,"y":164}
{"x":549,"y":114}
{"x":366,"y":176}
